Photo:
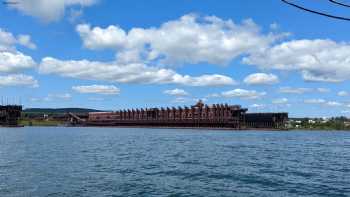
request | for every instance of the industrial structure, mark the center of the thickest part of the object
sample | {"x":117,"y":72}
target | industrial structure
{"x":199,"y":115}
{"x":9,"y":115}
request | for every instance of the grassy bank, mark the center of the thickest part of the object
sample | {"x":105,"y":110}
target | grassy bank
{"x":40,"y":122}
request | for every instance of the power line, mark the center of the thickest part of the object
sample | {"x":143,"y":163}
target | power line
{"x":10,"y":2}
{"x":339,"y":3}
{"x":317,"y":12}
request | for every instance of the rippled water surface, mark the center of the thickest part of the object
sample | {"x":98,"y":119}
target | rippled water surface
{"x":169,"y":162}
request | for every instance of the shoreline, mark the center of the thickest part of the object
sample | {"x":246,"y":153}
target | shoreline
{"x":176,"y":128}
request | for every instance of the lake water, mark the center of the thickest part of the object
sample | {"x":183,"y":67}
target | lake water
{"x":171,"y":162}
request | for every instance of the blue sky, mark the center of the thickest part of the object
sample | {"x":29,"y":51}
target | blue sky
{"x":106,"y":54}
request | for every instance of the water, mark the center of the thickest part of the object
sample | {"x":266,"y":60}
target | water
{"x":169,"y":162}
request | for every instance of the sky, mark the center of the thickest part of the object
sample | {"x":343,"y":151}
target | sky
{"x":117,"y":54}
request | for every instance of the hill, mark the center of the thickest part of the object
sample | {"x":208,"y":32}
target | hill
{"x":58,"y":110}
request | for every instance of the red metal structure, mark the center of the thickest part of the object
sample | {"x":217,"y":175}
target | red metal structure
{"x":199,"y":115}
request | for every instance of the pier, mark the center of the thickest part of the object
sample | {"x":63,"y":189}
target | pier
{"x":197,"y":116}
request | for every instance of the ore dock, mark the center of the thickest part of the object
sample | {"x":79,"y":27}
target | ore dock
{"x":200,"y":115}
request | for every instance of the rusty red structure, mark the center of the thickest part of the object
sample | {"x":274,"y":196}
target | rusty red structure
{"x":196,"y":116}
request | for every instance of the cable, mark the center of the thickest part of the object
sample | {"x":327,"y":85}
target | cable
{"x":316,"y":12}
{"x":339,"y":3}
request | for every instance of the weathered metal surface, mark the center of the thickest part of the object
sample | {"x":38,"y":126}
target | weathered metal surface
{"x":199,"y":115}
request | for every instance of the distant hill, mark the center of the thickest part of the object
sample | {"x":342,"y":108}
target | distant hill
{"x":58,"y":110}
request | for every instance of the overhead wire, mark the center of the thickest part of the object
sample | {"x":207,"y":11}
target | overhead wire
{"x":317,"y":12}
{"x":339,"y":3}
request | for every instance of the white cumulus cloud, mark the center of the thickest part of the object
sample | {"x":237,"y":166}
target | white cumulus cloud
{"x":18,"y":80}
{"x":127,"y":73}
{"x":190,"y":39}
{"x":8,"y":41}
{"x":25,"y":40}
{"x":280,"y":101}
{"x":323,"y":102}
{"x":343,"y":93}
{"x":12,"y":60}
{"x":323,"y":90}
{"x":290,"y":90}
{"x":97,"y":89}
{"x":48,"y":10}
{"x":244,"y":94}
{"x":261,"y":79}
{"x":181,"y":100}
{"x":315,"y":101}
{"x":317,"y":60}
{"x":333,"y":104}
{"x":53,"y":97}
{"x":176,"y":92}
{"x":258,"y":106}
{"x":15,"y":61}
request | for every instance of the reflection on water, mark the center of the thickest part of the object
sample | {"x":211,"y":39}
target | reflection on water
{"x":169,"y":162}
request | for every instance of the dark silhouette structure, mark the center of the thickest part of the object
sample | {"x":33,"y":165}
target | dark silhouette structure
{"x":266,"y":120}
{"x":199,"y":115}
{"x":9,"y":115}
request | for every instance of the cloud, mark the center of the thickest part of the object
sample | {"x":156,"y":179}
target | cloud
{"x":323,"y":102}
{"x":323,"y":90}
{"x":258,"y":106}
{"x":280,"y":101}
{"x":315,"y":101}
{"x":289,"y":90}
{"x":65,"y":96}
{"x":12,"y":60}
{"x":193,"y":39}
{"x":98,"y":38}
{"x":75,"y":15}
{"x":96,"y":99}
{"x":333,"y":104}
{"x":8,"y":41}
{"x":214,"y":95}
{"x":25,"y":40}
{"x":48,"y":11}
{"x":97,"y":89}
{"x":261,"y":79}
{"x":181,"y":100}
{"x":127,"y":73}
{"x":343,"y":93}
{"x":53,"y":97}
{"x":317,"y":60}
{"x":188,"y":40}
{"x":18,"y":80}
{"x":15,"y":61}
{"x":176,"y":92}
{"x":243,"y":94}
{"x":274,"y":26}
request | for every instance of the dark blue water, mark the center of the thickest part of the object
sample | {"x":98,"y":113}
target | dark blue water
{"x":168,"y":162}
